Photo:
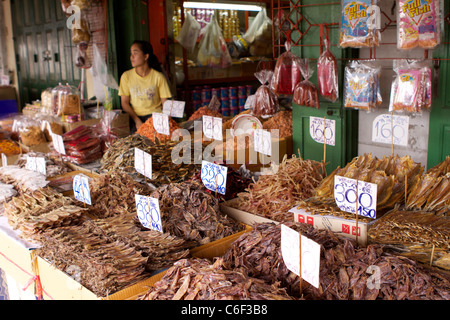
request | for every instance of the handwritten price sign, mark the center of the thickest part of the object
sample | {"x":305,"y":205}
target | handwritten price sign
{"x":263,"y":142}
{"x":161,"y":123}
{"x":143,"y":163}
{"x":81,"y":189}
{"x":149,"y":212}
{"x":212,"y":128}
{"x":58,"y":143}
{"x":214,"y":177}
{"x":348,"y":192}
{"x":37,"y":165}
{"x":174,"y":109}
{"x":323,"y":131}
{"x":391,"y":129}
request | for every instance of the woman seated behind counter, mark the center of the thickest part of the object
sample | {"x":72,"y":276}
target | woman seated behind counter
{"x":143,"y":89}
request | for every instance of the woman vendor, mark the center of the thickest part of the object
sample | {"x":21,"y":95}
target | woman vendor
{"x":143,"y":89}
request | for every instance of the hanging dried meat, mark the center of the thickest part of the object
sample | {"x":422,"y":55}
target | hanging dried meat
{"x":272,"y":196}
{"x":327,"y":73}
{"x":198,"y":279}
{"x":191,"y":213}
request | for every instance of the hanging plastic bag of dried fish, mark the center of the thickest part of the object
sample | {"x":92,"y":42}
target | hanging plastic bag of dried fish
{"x":105,"y":130}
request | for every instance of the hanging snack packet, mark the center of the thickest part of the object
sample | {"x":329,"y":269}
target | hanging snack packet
{"x":287,"y":73}
{"x":411,"y":89}
{"x":213,"y":50}
{"x":306,"y":93}
{"x":419,"y":23}
{"x":362,"y":85}
{"x":266,"y":102}
{"x":327,"y":71}
{"x":357,"y":27}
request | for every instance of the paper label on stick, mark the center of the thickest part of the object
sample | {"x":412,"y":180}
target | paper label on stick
{"x":37,"y":165}
{"x":348,"y":192}
{"x":290,"y":249}
{"x":263,"y":142}
{"x":81,"y":189}
{"x":143,"y":163}
{"x":161,"y":123}
{"x":389,"y":129}
{"x":174,"y":109}
{"x":58,"y":143}
{"x":310,"y":261}
{"x":149,"y":212}
{"x":323,"y":131}
{"x":4,"y":160}
{"x":212,"y":128}
{"x":214,"y":177}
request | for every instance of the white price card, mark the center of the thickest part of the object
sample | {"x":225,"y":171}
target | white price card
{"x":347,"y":193}
{"x":323,"y":131}
{"x":58,"y":143}
{"x":212,"y":128}
{"x":81,"y":189}
{"x":4,"y":160}
{"x":250,"y":102}
{"x":161,"y":123}
{"x":310,"y":253}
{"x":391,"y":129}
{"x":174,"y":109}
{"x":143,"y":163}
{"x":290,"y":249}
{"x":37,"y":165}
{"x":263,"y":142}
{"x":214,"y":177}
{"x":149,"y":212}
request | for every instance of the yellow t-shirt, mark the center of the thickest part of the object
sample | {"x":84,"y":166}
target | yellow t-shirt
{"x":145,"y":92}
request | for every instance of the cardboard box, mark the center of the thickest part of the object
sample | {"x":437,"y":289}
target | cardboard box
{"x":340,"y":226}
{"x":16,"y":255}
{"x":244,"y":217}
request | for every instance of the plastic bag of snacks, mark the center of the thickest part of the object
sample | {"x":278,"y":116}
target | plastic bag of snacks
{"x":411,"y":89}
{"x":287,"y":73}
{"x":306,"y":93}
{"x":266,"y":102}
{"x":69,"y":102}
{"x":189,"y":32}
{"x":327,"y":73}
{"x":29,"y":131}
{"x":259,"y":35}
{"x":357,"y":24}
{"x":213,"y":50}
{"x":362,"y":85}
{"x":420,"y":23}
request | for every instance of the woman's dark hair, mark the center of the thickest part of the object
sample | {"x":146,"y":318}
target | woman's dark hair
{"x":147,"y":48}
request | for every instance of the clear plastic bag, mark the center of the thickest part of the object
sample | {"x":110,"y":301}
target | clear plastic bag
{"x":306,"y":93}
{"x":420,"y":23}
{"x":105,"y":130}
{"x":69,"y":101}
{"x":411,"y":89}
{"x":266,"y":102}
{"x":189,"y":33}
{"x":362,"y":85}
{"x":357,"y":27}
{"x":327,"y":73}
{"x":213,"y":50}
{"x":101,"y":75}
{"x":287,"y":73}
{"x":29,"y":131}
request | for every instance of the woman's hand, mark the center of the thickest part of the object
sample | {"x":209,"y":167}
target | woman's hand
{"x":139,"y":123}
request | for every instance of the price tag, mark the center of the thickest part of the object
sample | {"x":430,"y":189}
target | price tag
{"x":212,"y":128}
{"x":214,"y":104}
{"x":290,"y":249}
{"x":347,"y":193}
{"x":58,"y":143}
{"x":214,"y":177}
{"x":174,"y":109}
{"x":149,"y":212}
{"x":385,"y":126}
{"x":310,"y":261}
{"x":81,"y":189}
{"x":37,"y":165}
{"x":143,"y":163}
{"x":250,"y":102}
{"x":161,"y":123}
{"x":4,"y":160}
{"x":323,"y":131}
{"x":263,"y":142}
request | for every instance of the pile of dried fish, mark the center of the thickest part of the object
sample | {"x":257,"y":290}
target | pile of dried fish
{"x":120,"y":156}
{"x":7,"y":191}
{"x":417,"y":235}
{"x":191,"y":213}
{"x":114,"y":194}
{"x":161,"y":249}
{"x":393,"y":176}
{"x":23,"y":180}
{"x":37,"y":211}
{"x":148,"y":130}
{"x":282,"y":121}
{"x":54,"y":166}
{"x":102,"y":266}
{"x":197,"y":279}
{"x":272,"y":196}
{"x":346,"y":270}
{"x":432,"y":192}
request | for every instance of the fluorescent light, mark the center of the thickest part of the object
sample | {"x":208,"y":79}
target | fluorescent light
{"x":221,"y":6}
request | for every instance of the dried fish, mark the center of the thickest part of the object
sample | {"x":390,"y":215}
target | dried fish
{"x":198,"y":279}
